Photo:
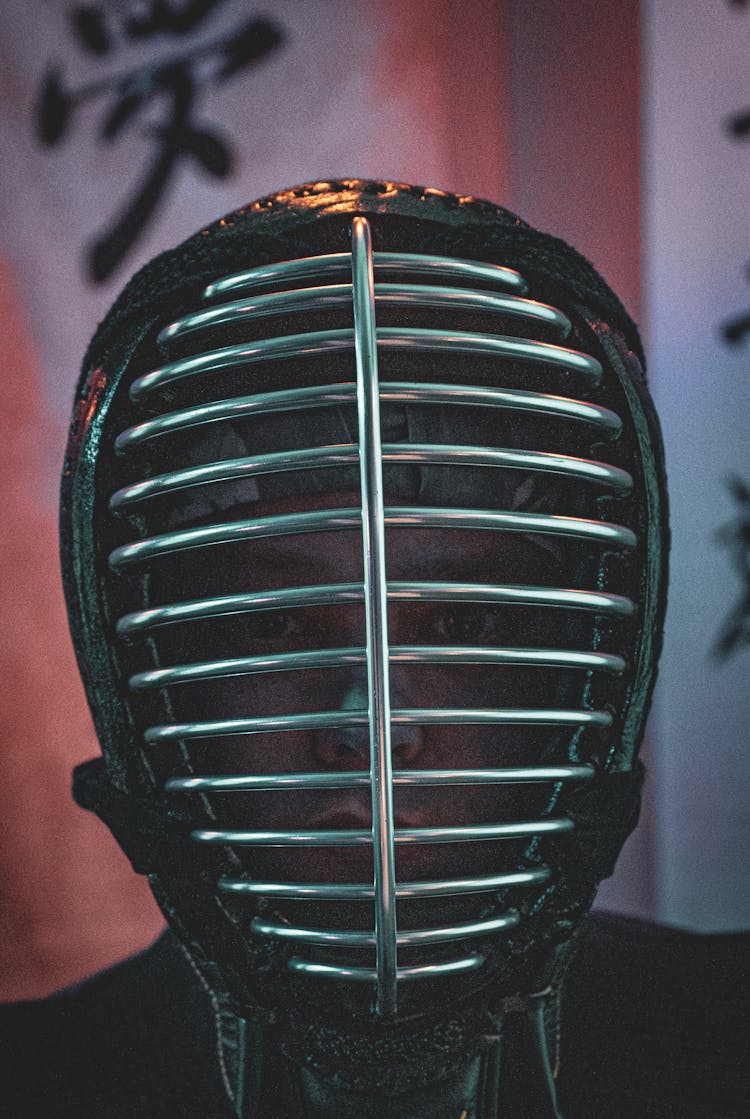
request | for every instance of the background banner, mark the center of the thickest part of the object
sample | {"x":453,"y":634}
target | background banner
{"x":624,"y":128}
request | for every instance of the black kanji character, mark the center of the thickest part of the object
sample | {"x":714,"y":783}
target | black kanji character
{"x":736,"y":537}
{"x":173,"y":84}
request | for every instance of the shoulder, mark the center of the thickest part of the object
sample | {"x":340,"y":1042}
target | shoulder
{"x":129,"y":1043}
{"x":655,"y":1023}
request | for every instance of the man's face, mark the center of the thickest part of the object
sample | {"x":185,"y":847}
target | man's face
{"x":423,"y":555}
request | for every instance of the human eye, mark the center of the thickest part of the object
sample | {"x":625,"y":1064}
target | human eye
{"x":273,"y":627}
{"x":464,"y":624}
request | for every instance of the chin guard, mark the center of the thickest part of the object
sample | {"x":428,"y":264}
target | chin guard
{"x":604,"y":813}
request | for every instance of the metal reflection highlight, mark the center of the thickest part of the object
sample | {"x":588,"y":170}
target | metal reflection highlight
{"x":376,"y":616}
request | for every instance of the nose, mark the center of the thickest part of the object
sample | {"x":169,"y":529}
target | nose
{"x":349,"y":747}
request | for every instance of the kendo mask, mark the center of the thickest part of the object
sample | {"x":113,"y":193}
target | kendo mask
{"x":363,"y":530}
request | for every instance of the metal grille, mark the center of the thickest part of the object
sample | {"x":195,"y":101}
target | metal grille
{"x":504,"y":292}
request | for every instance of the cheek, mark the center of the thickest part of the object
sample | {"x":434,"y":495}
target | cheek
{"x":442,"y":748}
{"x":260,"y":754}
{"x":470,"y":685}
{"x":477,"y":747}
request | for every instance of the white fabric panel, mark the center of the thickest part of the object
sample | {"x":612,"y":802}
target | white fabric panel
{"x":354,"y":89}
{"x":696,"y":74}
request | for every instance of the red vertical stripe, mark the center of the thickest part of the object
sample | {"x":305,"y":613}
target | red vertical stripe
{"x":576,"y":135}
{"x":448,"y":64}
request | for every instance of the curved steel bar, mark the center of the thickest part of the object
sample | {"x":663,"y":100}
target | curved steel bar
{"x":247,"y":353}
{"x":612,"y":536}
{"x":243,"y":666}
{"x":355,"y":779}
{"x":399,"y":654}
{"x":376,"y":614}
{"x":339,"y":264}
{"x":369,"y":975}
{"x":588,"y":470}
{"x":232,"y":470}
{"x":411,"y":339}
{"x":515,"y":593}
{"x":319,"y":396}
{"x":347,"y":939}
{"x":362,"y":837}
{"x":257,"y":528}
{"x":142,"y":622}
{"x":346,"y":454}
{"x":365,"y":891}
{"x":332,"y":296}
{"x":609,"y":535}
{"x":317,"y":720}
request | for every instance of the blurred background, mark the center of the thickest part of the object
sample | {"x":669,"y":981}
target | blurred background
{"x":623,"y":128}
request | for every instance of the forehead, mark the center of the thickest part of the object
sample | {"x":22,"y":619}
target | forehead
{"x":420,"y":553}
{"x":332,"y":556}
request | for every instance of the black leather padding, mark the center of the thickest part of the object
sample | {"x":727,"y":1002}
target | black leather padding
{"x":153,"y":834}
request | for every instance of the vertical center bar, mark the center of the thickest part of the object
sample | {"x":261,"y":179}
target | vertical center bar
{"x":376,"y":614}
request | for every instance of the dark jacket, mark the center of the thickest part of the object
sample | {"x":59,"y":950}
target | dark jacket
{"x":654,"y":1025}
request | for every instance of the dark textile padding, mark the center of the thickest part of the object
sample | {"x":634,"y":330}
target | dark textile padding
{"x":256,"y":232}
{"x":155,"y":835}
{"x":654,"y":1025}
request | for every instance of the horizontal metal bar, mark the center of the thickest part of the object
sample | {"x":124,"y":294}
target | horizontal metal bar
{"x":229,"y":470}
{"x":404,"y":938}
{"x":369,"y":975}
{"x":362,"y":837}
{"x":399,"y":654}
{"x":318,"y":720}
{"x":365,"y":891}
{"x":242,"y":666}
{"x":405,"y":392}
{"x":142,"y":622}
{"x":611,"y":536}
{"x":509,"y":775}
{"x":331,"y":296}
{"x":257,"y":528}
{"x":589,"y":470}
{"x":339,"y":264}
{"x":346,"y":454}
{"x":411,"y":339}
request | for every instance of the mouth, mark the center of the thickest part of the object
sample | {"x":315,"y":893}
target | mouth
{"x":414,"y":861}
{"x":357,"y":817}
